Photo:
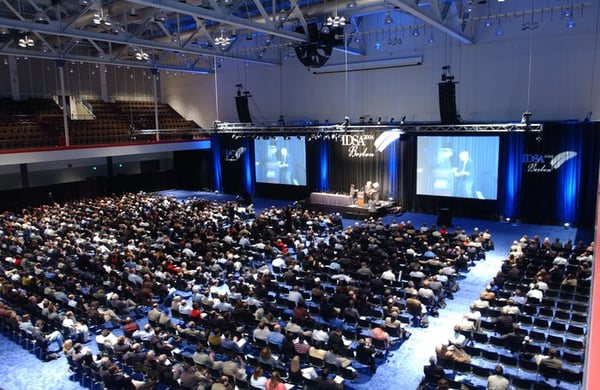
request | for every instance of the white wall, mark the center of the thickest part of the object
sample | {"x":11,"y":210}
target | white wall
{"x":493,"y":77}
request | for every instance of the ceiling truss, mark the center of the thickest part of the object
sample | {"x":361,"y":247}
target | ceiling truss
{"x":181,"y":34}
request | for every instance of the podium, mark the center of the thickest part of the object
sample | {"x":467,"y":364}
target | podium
{"x":360,"y":198}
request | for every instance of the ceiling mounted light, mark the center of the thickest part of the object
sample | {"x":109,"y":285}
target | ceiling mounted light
{"x":41,"y":18}
{"x":162,"y":16}
{"x":388,"y":19}
{"x":336,"y":21}
{"x":26,"y":42}
{"x":141,"y":55}
{"x":222,"y":40}
{"x":101,"y":18}
{"x":4,"y":31}
{"x":351,"y":3}
{"x":283,"y":15}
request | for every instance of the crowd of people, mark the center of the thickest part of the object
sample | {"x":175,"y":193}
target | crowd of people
{"x":532,"y":270}
{"x":205,"y":275}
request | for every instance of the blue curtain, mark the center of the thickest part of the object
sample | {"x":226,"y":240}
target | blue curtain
{"x":393,"y":164}
{"x":247,"y":165}
{"x":510,"y":191}
{"x":324,"y":150}
{"x":216,"y":150}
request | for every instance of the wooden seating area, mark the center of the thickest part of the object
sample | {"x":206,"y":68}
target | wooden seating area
{"x":38,"y":123}
{"x":28,"y":124}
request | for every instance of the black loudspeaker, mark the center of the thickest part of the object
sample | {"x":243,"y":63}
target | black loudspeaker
{"x":241,"y":103}
{"x":447,"y":95}
{"x":444,"y":217}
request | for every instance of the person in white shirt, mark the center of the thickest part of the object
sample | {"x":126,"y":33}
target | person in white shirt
{"x":457,"y":338}
{"x":388,"y":275}
{"x":75,"y":327}
{"x":535,"y":292}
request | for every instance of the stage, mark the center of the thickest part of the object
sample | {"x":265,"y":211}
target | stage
{"x":348,"y":208}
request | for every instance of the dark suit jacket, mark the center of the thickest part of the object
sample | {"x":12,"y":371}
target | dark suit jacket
{"x":433,"y":372}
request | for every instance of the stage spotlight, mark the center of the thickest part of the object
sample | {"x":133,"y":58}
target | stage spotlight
{"x":566,"y":225}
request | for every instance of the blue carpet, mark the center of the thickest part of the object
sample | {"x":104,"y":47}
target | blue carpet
{"x":21,"y":370}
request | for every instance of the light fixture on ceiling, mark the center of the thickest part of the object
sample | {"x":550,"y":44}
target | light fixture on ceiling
{"x":499,"y":29}
{"x":174,"y":38}
{"x":283,"y":16}
{"x":415,"y":31}
{"x":101,"y":19}
{"x":388,"y":18}
{"x":4,"y":31}
{"x":336,"y":20}
{"x":569,"y":14}
{"x":141,"y":55}
{"x":351,"y":3}
{"x":162,"y":16}
{"x":41,"y":18}
{"x":26,"y":42}
{"x":222,"y":40}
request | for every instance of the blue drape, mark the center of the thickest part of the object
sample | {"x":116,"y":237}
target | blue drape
{"x":324,"y":150}
{"x":510,"y":191}
{"x":215,"y":144}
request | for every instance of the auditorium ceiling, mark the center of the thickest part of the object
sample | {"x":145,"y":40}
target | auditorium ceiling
{"x":192,"y":35}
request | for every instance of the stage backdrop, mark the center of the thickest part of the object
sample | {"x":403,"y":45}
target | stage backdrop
{"x":552,"y":180}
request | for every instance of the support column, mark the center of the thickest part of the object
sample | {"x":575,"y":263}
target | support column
{"x":155,"y":82}
{"x":61,"y":75}
{"x":103,"y":83}
{"x":24,"y":175}
{"x":14,"y":78}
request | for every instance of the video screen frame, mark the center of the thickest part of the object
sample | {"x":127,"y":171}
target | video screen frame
{"x":459,"y":166}
{"x":280,"y":160}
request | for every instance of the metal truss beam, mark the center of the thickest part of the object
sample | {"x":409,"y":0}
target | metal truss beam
{"x":54,"y":28}
{"x":246,"y":129}
{"x":221,"y":17}
{"x":439,"y":24}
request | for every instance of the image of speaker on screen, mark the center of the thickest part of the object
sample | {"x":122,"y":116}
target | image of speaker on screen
{"x":458,"y":166}
{"x":464,"y":174}
{"x":280,"y":160}
{"x":285,"y":173}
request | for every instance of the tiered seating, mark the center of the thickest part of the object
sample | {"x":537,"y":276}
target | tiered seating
{"x":107,"y":128}
{"x":36,"y":123}
{"x":558,"y":321}
{"x":22,"y":126}
{"x":141,"y":114}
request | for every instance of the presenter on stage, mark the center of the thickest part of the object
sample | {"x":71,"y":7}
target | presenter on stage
{"x":465,"y":175}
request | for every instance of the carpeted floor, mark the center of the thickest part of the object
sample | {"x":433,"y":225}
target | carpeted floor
{"x":20,"y":370}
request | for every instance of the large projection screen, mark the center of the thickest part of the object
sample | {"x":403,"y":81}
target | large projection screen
{"x":458,"y":166}
{"x":280,"y":160}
